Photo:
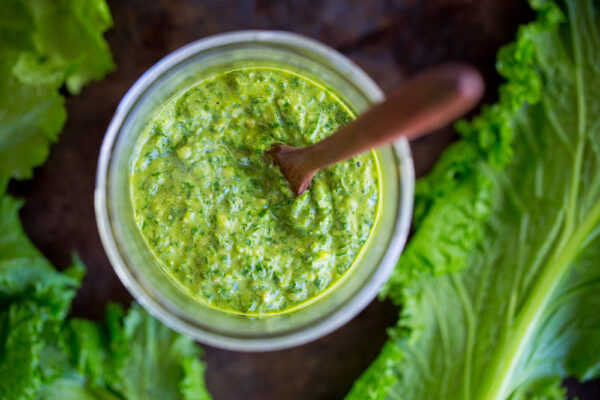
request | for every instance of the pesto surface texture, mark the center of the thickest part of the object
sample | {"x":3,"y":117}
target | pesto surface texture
{"x":220,"y":217}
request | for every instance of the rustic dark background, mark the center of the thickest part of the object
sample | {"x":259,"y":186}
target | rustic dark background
{"x":389,"y":39}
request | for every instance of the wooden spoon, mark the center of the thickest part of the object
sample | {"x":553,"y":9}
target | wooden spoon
{"x":427,"y":102}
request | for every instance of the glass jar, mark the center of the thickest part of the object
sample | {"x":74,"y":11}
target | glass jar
{"x":139,"y":270}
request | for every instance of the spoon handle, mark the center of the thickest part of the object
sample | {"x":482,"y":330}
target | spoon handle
{"x":427,"y":102}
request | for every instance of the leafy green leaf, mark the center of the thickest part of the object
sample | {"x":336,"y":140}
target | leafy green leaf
{"x":20,"y":329}
{"x":43,"y":45}
{"x":127,"y":357}
{"x":74,"y":389}
{"x":85,"y":56}
{"x":89,"y":350}
{"x":34,"y":297}
{"x":160,"y":364}
{"x":521,"y":313}
{"x":24,"y":272}
{"x":193,"y":386}
{"x":31,"y":119}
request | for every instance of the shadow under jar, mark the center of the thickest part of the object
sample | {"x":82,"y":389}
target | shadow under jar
{"x":142,"y":273}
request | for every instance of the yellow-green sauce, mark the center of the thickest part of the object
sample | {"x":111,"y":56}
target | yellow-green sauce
{"x":219,"y":216}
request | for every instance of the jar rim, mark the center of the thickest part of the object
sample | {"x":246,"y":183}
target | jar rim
{"x":353,"y":74}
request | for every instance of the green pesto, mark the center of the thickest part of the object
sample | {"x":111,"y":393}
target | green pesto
{"x":220,"y":217}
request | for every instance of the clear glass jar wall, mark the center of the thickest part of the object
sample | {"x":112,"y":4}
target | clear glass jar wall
{"x":138,"y":269}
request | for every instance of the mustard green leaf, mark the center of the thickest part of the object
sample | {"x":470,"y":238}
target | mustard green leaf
{"x":74,"y":388}
{"x":20,"y":328}
{"x":44,"y":44}
{"x":160,"y":364}
{"x":193,"y":386}
{"x":68,"y":44}
{"x":517,"y":310}
{"x":24,"y":272}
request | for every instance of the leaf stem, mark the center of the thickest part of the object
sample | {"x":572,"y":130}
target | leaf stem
{"x":496,"y":381}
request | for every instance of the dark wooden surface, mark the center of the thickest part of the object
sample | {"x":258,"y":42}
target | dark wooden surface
{"x":389,"y":39}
